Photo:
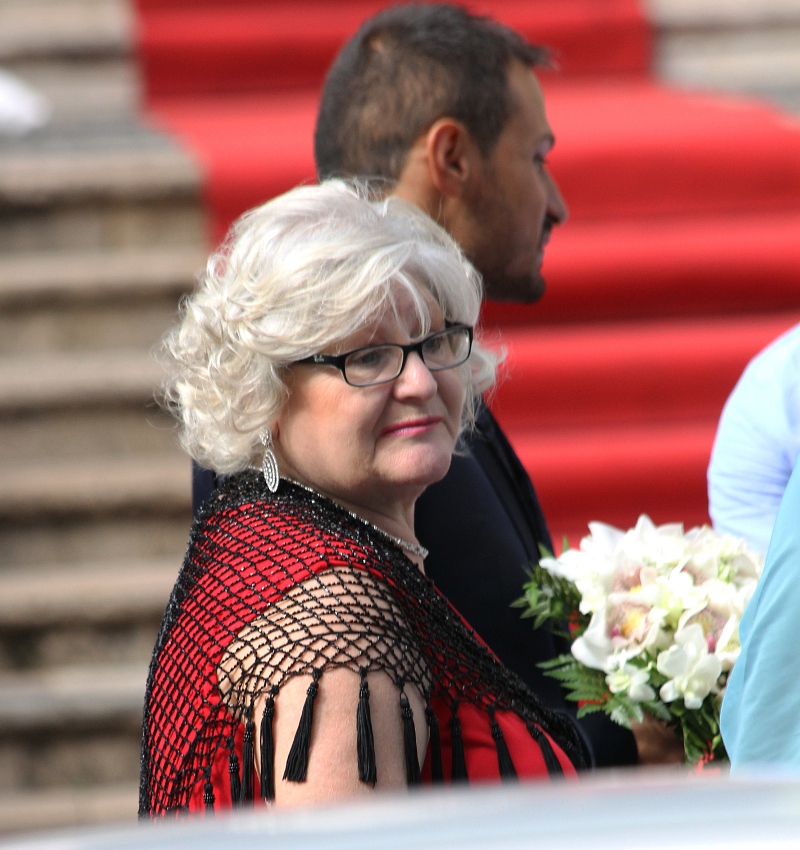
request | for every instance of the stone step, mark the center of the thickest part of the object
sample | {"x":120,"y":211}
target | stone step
{"x":108,"y":276}
{"x":117,"y":186}
{"x":79,"y":88}
{"x":76,"y":379}
{"x":694,"y":14}
{"x":72,"y":726}
{"x":54,"y":808}
{"x":74,"y":539}
{"x":72,"y":697}
{"x":761,"y":61}
{"x":107,"y":644}
{"x":95,"y":486}
{"x":74,"y":433}
{"x":99,"y":613}
{"x":95,"y":594}
{"x":79,"y":224}
{"x":77,"y":53}
{"x":749,"y":46}
{"x":43,"y":330}
{"x":64,"y":27}
{"x":123,"y":161}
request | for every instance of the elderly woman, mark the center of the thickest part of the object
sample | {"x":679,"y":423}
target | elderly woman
{"x":325,"y":366}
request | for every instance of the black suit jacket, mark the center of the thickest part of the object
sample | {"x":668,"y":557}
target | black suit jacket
{"x":483,"y":525}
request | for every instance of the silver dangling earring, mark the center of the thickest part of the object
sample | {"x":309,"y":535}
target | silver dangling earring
{"x":269,"y":464}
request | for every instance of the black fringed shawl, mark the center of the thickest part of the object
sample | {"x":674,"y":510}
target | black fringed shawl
{"x":276,"y":586}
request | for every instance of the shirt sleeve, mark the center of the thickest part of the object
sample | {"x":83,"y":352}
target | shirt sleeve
{"x":757,"y":443}
{"x":760,"y":717}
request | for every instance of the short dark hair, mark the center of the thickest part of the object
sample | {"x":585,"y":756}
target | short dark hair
{"x":404,"y":69}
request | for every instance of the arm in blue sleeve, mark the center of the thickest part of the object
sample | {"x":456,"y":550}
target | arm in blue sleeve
{"x":761,"y":710}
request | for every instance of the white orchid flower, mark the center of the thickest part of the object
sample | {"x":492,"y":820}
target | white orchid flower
{"x":602,"y":539}
{"x":746,"y":567}
{"x":661,"y":547}
{"x":627,"y":620}
{"x":564,"y":566}
{"x":730,"y":556}
{"x":692,"y":671}
{"x":658,"y":635}
{"x":728,"y":647}
{"x":673,"y":593}
{"x":631,"y":680}
{"x":594,"y":648}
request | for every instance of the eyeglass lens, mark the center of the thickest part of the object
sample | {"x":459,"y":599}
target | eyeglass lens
{"x":379,"y":363}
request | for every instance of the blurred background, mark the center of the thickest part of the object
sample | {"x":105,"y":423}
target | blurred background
{"x":132,"y":133}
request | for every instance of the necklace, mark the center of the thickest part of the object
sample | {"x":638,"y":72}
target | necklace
{"x":405,"y":545}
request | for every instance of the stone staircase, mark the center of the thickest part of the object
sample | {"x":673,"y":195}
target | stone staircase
{"x":101,"y":230}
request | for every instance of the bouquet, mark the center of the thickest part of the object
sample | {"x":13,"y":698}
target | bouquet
{"x":653,"y":614}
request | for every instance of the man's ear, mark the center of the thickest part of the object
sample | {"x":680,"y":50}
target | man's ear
{"x":453,"y":157}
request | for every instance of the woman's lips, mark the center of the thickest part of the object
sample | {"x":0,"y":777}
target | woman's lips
{"x":410,"y":427}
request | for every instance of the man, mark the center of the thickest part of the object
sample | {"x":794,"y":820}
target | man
{"x":445,"y":108}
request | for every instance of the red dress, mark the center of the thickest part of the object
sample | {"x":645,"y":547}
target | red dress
{"x":258,"y":570}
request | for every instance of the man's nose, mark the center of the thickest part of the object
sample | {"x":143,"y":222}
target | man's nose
{"x":556,"y":207}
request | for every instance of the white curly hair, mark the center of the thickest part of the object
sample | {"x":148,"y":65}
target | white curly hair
{"x":301,"y":273}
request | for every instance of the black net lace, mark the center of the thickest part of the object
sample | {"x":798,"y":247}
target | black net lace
{"x":277,"y":586}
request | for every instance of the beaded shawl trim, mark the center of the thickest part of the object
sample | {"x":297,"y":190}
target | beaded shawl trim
{"x":279,"y":585}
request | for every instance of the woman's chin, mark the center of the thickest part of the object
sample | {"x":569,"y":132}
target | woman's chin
{"x":426,"y":471}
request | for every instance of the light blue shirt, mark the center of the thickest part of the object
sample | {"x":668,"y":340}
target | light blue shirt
{"x":757,"y":444}
{"x":761,"y":711}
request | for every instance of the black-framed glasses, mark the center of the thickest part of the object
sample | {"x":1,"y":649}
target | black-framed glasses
{"x":379,"y":364}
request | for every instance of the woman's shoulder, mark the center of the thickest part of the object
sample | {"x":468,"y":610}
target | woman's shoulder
{"x":292,"y":531}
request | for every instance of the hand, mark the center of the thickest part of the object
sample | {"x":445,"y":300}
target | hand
{"x":657,"y":743}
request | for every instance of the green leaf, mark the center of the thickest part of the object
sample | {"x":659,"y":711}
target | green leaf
{"x":553,"y":600}
{"x":620,"y":716}
{"x":658,"y":710}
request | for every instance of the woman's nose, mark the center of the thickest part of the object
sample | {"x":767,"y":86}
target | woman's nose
{"x":416,"y":378}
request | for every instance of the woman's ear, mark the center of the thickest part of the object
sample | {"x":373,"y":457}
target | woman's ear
{"x":453,"y":157}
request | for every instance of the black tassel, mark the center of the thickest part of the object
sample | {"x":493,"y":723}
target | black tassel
{"x":551,"y":761}
{"x":504,"y":762}
{"x":268,"y":748}
{"x":208,"y":796}
{"x":409,"y":742}
{"x":297,"y":760}
{"x":365,"y":743}
{"x":248,"y":760}
{"x":437,"y":773}
{"x":458,"y":771}
{"x":236,"y":784}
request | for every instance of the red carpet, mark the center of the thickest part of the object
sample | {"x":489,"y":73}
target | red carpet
{"x":681,"y":259}
{"x":663,"y":267}
{"x":615,"y":474}
{"x":627,"y":374}
{"x":205,"y":46}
